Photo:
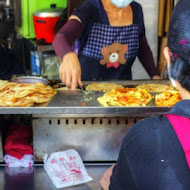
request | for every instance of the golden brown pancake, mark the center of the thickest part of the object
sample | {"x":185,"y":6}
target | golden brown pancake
{"x":24,"y":95}
{"x":102,"y":86}
{"x":167,"y":98}
{"x":156,"y":87}
{"x":125,"y":97}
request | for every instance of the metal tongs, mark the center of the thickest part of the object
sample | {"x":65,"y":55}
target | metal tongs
{"x":82,"y":88}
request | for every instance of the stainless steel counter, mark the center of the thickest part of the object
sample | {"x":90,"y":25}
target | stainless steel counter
{"x":35,"y":178}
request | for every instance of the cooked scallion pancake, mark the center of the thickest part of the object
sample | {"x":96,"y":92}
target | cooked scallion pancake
{"x":102,"y":86}
{"x":156,"y":87}
{"x":3,"y":84}
{"x":22,"y":95}
{"x":130,"y":97}
{"x":167,"y":98}
{"x":15,"y":102}
{"x":6,"y":88}
{"x":39,"y":98}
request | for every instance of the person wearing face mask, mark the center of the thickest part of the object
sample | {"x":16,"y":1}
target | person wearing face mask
{"x":108,"y":35}
{"x":155,"y":154}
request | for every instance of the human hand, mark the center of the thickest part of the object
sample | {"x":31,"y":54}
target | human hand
{"x":157,"y":77}
{"x":70,"y":71}
{"x":105,"y":179}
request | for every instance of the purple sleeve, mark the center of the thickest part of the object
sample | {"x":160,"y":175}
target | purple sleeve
{"x":66,"y":36}
{"x":146,"y":57}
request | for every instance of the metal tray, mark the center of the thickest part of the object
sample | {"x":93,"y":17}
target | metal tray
{"x":29,"y":79}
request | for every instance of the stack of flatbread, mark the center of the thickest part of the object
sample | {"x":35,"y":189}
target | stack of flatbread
{"x":24,"y":95}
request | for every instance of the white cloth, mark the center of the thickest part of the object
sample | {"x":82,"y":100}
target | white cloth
{"x":26,"y":161}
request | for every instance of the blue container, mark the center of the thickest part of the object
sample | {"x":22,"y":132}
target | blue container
{"x":35,"y":63}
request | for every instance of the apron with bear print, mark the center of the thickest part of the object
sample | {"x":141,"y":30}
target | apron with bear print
{"x":112,"y":48}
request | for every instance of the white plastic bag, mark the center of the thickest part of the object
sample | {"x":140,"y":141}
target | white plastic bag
{"x":66,"y":169}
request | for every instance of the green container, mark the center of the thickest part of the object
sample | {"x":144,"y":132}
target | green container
{"x":28,"y":7}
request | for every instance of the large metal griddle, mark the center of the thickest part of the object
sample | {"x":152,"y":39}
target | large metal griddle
{"x":69,"y":103}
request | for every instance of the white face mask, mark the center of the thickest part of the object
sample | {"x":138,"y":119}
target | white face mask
{"x":121,"y":3}
{"x":171,"y":79}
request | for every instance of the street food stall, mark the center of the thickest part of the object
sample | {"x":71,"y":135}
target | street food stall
{"x":72,"y":119}
{"x":95,"y":132}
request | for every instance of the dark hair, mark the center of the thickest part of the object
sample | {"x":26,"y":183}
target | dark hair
{"x":179,"y":43}
{"x":180,"y":71}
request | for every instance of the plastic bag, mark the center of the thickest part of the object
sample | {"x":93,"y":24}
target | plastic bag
{"x":66,"y":169}
{"x":26,"y":161}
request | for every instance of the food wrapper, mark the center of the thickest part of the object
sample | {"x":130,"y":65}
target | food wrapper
{"x":66,"y":169}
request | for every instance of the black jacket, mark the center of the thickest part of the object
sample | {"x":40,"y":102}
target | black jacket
{"x":151,"y":156}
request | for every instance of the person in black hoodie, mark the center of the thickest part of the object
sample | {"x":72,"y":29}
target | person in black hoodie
{"x":155,"y":154}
